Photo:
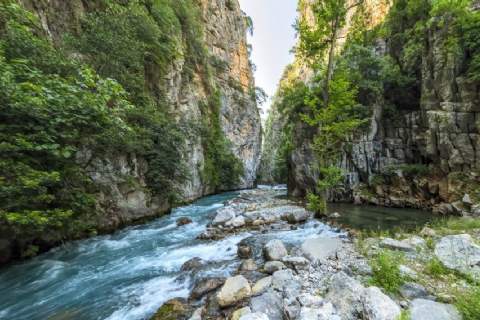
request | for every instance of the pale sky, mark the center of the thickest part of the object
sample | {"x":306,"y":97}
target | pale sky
{"x":273,"y":37}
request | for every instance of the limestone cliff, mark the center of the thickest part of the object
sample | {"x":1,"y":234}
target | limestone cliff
{"x":126,"y":198}
{"x":439,"y":130}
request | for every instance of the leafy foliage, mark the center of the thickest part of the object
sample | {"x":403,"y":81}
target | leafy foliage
{"x":385,"y":267}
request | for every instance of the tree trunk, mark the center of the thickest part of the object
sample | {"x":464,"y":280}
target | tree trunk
{"x":326,"y":90}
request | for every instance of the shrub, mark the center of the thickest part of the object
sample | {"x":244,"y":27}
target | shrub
{"x":420,"y":170}
{"x":468,"y":303}
{"x":377,"y":180}
{"x":385,"y":270}
{"x":435,"y":267}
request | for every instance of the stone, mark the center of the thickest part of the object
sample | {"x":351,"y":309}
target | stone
{"x":262,"y":286}
{"x":183,"y":221}
{"x":270,"y":304}
{"x":279,"y":278}
{"x":296,"y":263}
{"x":458,"y":252}
{"x":310,"y":301}
{"x":334,"y":317}
{"x":257,"y":223}
{"x":412,"y":290}
{"x":273,"y":266}
{"x":317,"y":249}
{"x":239,"y":222}
{"x":427,"y":233}
{"x":174,"y":309}
{"x":467,"y":202}
{"x":395,"y":245}
{"x":197,"y":315}
{"x":240,"y":312}
{"x":345,"y":295}
{"x":416,"y":242}
{"x":406,"y":272}
{"x":334,"y":215}
{"x":421,"y":309}
{"x":297,"y":216}
{"x":378,"y":306}
{"x":248,"y":265}
{"x":457,"y":208}
{"x":223,"y":216}
{"x":191,"y":264}
{"x":312,"y":314}
{"x":255,"y":316}
{"x":274,"y":250}
{"x":244,"y":252}
{"x":234,"y":290}
{"x":205,"y":286}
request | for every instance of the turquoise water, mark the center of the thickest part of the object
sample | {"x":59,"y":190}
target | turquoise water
{"x":369,"y":217}
{"x":130,"y":274}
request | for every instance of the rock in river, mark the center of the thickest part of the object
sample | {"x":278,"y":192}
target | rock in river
{"x":274,"y":250}
{"x":244,"y":252}
{"x":183,"y":221}
{"x":205,"y":286}
{"x":234,"y":290}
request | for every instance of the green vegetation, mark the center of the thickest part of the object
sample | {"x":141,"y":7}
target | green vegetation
{"x":435,"y":268}
{"x":62,"y":118}
{"x":385,"y":270}
{"x":468,"y":303}
{"x":378,"y":180}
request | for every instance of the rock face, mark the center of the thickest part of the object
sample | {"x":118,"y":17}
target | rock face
{"x":460,"y":253}
{"x":438,"y":129}
{"x":225,"y":39}
{"x":274,"y":250}
{"x":234,"y":290}
{"x":429,"y":310}
{"x":269,"y":304}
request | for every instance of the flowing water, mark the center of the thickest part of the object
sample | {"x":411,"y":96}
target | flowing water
{"x":130,"y":274}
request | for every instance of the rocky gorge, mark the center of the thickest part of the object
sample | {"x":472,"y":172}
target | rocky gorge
{"x":326,"y":278}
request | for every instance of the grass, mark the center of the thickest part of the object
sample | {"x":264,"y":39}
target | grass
{"x":454,"y":225}
{"x":468,"y":303}
{"x":435,"y":267}
{"x":385,"y":267}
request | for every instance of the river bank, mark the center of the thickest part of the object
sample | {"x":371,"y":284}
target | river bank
{"x":360,"y":275}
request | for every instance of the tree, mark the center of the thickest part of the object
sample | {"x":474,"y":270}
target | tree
{"x":335,"y":123}
{"x":320,"y":39}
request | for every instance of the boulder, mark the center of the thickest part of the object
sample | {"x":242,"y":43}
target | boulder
{"x":174,"y":309}
{"x":270,"y":304}
{"x":273,"y":266}
{"x":421,"y":309}
{"x":191,"y":264}
{"x":459,"y":253}
{"x":416,"y":242}
{"x":234,"y":290}
{"x":205,"y":286}
{"x":312,"y":314}
{"x":255,"y":316}
{"x":334,"y":215}
{"x":183,"y":221}
{"x":467,"y":202}
{"x":197,"y":315}
{"x":239,"y":222}
{"x":317,"y":249}
{"x":274,"y":250}
{"x":280,"y":278}
{"x":345,"y":294}
{"x":262,"y":286}
{"x":244,"y":252}
{"x":248,"y":265}
{"x":412,"y":290}
{"x":296,"y":263}
{"x":298,"y":216}
{"x":395,"y":245}
{"x":240,"y":313}
{"x":378,"y":306}
{"x":223,"y":216}
{"x":406,"y":272}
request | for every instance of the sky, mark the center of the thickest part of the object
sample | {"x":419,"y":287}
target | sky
{"x":273,"y":37}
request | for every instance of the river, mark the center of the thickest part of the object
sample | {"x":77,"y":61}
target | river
{"x":128,"y":275}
